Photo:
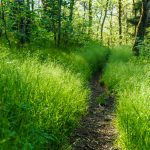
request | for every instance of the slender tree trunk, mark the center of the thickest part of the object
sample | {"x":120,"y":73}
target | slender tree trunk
{"x":111,"y":26}
{"x":126,"y":25}
{"x":135,"y":15}
{"x":71,"y":10}
{"x":32,"y":5}
{"x":120,"y":21}
{"x":141,"y":29}
{"x":90,"y":17}
{"x":99,"y":22}
{"x":84,"y":7}
{"x":22,"y":22}
{"x":104,"y":18}
{"x":127,"y":31}
{"x":59,"y":22}
{"x":84,"y":17}
{"x":5,"y":24}
{"x":28,"y":22}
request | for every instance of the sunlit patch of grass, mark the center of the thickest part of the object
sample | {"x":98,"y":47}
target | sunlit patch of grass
{"x":129,"y":78}
{"x":42,"y":100}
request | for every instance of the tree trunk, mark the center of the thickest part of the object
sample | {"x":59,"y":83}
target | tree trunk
{"x":84,"y":7}
{"x":71,"y":10}
{"x":84,"y":18}
{"x":135,"y":15}
{"x":70,"y":22}
{"x":32,"y":5}
{"x":111,"y":27}
{"x":90,"y":17}
{"x":103,"y":22}
{"x":21,"y":24}
{"x":120,"y":21}
{"x":143,"y":23}
{"x":4,"y":22}
{"x":126,"y":25}
{"x":99,"y":22}
{"x":28,"y":22}
{"x":59,"y":22}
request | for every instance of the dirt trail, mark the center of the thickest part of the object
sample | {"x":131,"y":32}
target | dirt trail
{"x":96,"y":131}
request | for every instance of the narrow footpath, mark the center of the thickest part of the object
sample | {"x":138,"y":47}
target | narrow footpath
{"x":96,"y":131}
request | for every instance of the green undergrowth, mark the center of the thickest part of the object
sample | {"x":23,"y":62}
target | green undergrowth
{"x":129,"y":78}
{"x":102,"y":99}
{"x":44,"y":94}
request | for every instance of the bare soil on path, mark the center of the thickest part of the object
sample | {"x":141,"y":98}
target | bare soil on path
{"x":96,"y":131}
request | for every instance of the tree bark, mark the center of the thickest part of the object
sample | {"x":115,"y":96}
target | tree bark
{"x":99,"y":22}
{"x":90,"y":17}
{"x":103,"y":22}
{"x":135,"y":15}
{"x":28,"y":22}
{"x":71,"y":10}
{"x":5,"y":24}
{"x":111,"y":27}
{"x":32,"y":5}
{"x":120,"y":21}
{"x":141,"y":29}
{"x":59,"y":22}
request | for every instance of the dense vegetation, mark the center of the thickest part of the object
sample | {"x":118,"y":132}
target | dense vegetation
{"x":49,"y":50}
{"x":129,"y":78}
{"x":72,"y":22}
{"x":43,"y":97}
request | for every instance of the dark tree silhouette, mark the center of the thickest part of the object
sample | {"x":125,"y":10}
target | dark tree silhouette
{"x":142,"y":25}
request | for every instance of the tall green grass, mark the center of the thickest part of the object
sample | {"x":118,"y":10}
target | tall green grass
{"x":129,"y":78}
{"x":43,"y":95}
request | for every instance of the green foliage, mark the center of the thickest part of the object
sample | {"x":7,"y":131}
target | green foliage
{"x":102,"y":99}
{"x":129,"y":78}
{"x":44,"y":95}
{"x":145,"y":48}
{"x":64,"y":21}
{"x":136,"y":10}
